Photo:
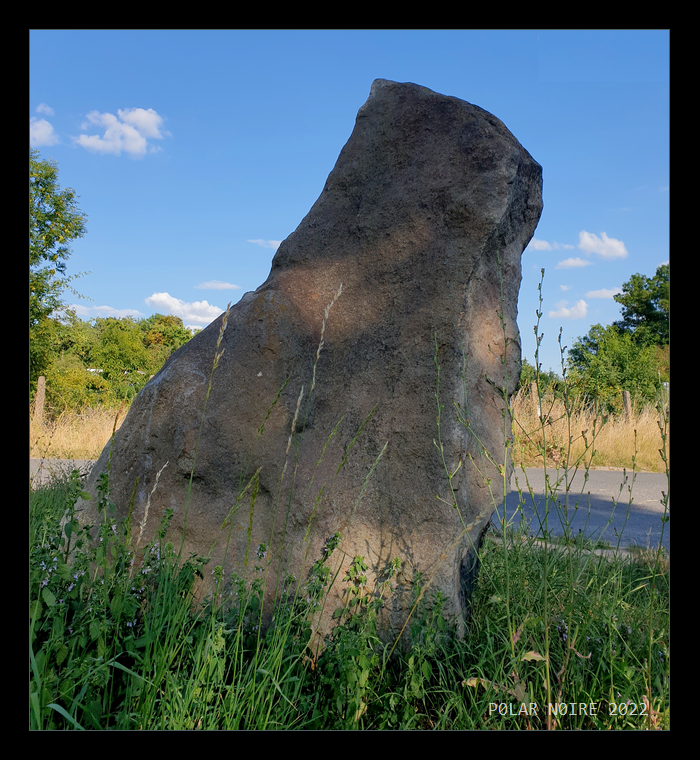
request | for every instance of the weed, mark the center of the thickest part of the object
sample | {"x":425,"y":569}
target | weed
{"x":560,"y":635}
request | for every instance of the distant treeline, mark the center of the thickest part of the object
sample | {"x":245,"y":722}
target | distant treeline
{"x":104,"y":361}
{"x":630,"y":355}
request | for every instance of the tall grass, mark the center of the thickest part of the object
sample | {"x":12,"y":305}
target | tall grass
{"x":123,"y":649}
{"x":83,"y":435}
{"x":73,"y":435}
{"x":620,"y":441}
{"x":558,"y":637}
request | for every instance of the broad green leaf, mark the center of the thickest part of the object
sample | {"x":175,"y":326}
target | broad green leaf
{"x":533,"y":656}
{"x":95,"y":629}
{"x":61,"y":654}
{"x":68,"y":717}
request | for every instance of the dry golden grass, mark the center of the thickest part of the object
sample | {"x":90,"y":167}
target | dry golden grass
{"x":83,"y":435}
{"x":74,"y":435}
{"x":613,"y":441}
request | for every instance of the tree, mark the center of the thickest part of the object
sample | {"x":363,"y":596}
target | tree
{"x":646,"y":307}
{"x":608,"y":361}
{"x":54,"y":220}
{"x":548,"y":381}
{"x":632,"y":353}
{"x":121,"y":355}
{"x":106,"y":360}
{"x":168,"y":331}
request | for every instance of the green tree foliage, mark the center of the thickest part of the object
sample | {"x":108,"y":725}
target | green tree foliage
{"x":119,"y":348}
{"x":549,"y":382}
{"x":72,"y":386}
{"x":108,"y":360}
{"x":86,"y":363}
{"x":75,"y":336}
{"x":629,"y":355}
{"x":608,"y":361}
{"x":163,"y":335}
{"x":646,"y":307}
{"x":54,"y":220}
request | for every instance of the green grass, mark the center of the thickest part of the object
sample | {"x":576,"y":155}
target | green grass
{"x":114,"y":648}
{"x":558,"y":637}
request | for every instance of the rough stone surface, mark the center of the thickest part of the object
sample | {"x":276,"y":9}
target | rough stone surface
{"x":423,"y":220}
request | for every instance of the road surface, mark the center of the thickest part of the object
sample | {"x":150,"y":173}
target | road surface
{"x":611,"y":505}
{"x":607,"y":506}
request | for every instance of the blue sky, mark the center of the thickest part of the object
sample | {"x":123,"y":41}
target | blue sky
{"x":195,"y":153}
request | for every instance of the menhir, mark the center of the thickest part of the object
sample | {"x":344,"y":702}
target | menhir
{"x":423,"y":221}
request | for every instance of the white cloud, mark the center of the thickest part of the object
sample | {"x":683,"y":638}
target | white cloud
{"x":43,"y":108}
{"x":603,"y":293}
{"x":108,"y":311}
{"x":197,"y":312}
{"x":606,"y":247}
{"x":543,"y":245}
{"x":147,"y":122}
{"x":41,"y":133}
{"x":87,"y":312}
{"x":128,"y":132}
{"x":274,"y":244}
{"x":565,"y":287}
{"x":578,"y":311}
{"x":81,"y":311}
{"x":572,"y":263}
{"x":217,"y":285}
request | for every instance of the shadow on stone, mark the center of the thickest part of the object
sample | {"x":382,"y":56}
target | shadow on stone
{"x":423,"y":221}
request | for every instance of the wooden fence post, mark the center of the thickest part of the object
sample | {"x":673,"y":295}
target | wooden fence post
{"x":39,"y":400}
{"x":535,"y":398}
{"x":626,"y":405}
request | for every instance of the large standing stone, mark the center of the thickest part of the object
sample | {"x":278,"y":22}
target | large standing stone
{"x":423,"y":220}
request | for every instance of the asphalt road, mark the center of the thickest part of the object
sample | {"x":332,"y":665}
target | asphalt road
{"x":608,"y":506}
{"x":43,"y":470}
